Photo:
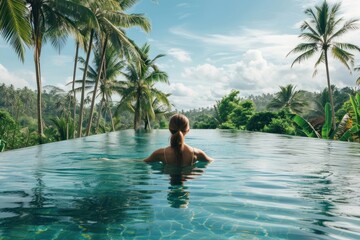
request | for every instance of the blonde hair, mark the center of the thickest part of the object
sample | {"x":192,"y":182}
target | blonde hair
{"x":178,"y":126}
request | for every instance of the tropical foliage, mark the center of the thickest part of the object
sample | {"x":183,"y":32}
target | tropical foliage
{"x":289,"y":100}
{"x":138,"y":91}
{"x":347,"y":130}
{"x":320,"y":34}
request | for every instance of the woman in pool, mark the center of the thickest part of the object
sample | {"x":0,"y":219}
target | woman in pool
{"x":178,"y":153}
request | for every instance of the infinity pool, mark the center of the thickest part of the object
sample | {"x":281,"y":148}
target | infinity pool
{"x":261,"y":186}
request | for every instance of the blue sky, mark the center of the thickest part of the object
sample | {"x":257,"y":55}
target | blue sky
{"x":211,"y":47}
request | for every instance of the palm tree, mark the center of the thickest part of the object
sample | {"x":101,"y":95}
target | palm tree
{"x":320,"y":34}
{"x":111,"y":22}
{"x":139,"y":90}
{"x":111,"y":18}
{"x":288,"y":99}
{"x":63,"y":127}
{"x":112,"y":68}
{"x":41,"y":20}
{"x":14,"y":27}
{"x":160,"y":108}
{"x":82,"y":98}
{"x":81,"y":40}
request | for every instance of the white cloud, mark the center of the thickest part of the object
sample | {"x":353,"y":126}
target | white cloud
{"x":17,"y":79}
{"x":351,"y":8}
{"x":179,"y":54}
{"x":252,"y":74}
{"x":180,"y":90}
{"x":205,"y":72}
{"x":225,"y":46}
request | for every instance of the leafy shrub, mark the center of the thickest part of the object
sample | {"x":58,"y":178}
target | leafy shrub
{"x":259,"y":120}
{"x":280,"y":126}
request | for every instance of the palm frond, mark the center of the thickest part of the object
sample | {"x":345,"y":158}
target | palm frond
{"x":321,"y":59}
{"x":303,"y":47}
{"x":349,"y":25}
{"x":311,"y":37}
{"x":124,"y":20}
{"x":306,"y":55}
{"x":126,"y":4}
{"x":14,"y":26}
{"x":348,"y":46}
{"x":343,"y":56}
{"x":305,"y":25}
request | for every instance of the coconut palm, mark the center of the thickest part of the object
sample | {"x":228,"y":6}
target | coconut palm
{"x":81,"y":39}
{"x":112,"y":68}
{"x":48,"y":20}
{"x":14,"y":27}
{"x":320,"y":34}
{"x":288,"y":99}
{"x":159,"y":109}
{"x":112,"y":19}
{"x":139,"y":90}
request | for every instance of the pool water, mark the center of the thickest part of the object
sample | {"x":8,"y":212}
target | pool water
{"x":261,"y":186}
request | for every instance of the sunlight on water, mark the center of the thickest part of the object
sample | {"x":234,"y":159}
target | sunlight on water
{"x":261,"y":186}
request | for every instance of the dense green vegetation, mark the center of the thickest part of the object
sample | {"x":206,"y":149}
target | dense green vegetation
{"x":121,"y":68}
{"x":311,"y":119}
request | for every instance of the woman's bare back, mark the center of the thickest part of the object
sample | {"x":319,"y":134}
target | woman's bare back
{"x":188,"y":156}
{"x":168,"y":156}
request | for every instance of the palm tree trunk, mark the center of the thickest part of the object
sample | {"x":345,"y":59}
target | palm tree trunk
{"x":147,"y":122}
{"x":67,"y":128}
{"x":330,"y":92}
{"x":83,"y":85}
{"x":96,"y":86}
{"x":39,"y":89}
{"x":73,"y":86}
{"x":137,"y":113}
{"x":111,"y":116}
{"x":99,"y":117}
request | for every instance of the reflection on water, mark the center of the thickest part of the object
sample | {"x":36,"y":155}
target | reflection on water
{"x":260,"y":186}
{"x":179,"y":194}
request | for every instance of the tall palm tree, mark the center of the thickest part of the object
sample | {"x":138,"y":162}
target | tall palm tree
{"x":80,"y":40}
{"x":288,"y":99}
{"x":320,"y":34}
{"x":139,"y":89}
{"x":112,"y":68}
{"x":112,"y":19}
{"x":48,"y":20}
{"x":14,"y":27}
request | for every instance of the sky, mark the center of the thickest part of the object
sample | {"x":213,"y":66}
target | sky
{"x":210,"y":47}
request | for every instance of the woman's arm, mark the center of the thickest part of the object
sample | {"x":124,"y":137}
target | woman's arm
{"x":201,"y":156}
{"x":156,"y":156}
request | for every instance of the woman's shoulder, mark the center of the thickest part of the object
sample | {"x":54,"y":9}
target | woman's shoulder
{"x":200,"y":155}
{"x":156,"y":156}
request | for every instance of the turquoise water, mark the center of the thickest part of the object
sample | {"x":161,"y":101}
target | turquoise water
{"x":261,"y":186}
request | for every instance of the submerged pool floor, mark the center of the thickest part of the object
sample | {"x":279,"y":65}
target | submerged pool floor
{"x":260,"y":186}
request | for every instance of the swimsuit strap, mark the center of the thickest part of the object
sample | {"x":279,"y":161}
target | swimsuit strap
{"x":165,"y":156}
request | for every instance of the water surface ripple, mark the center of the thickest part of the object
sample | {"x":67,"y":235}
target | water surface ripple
{"x":261,"y":186}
